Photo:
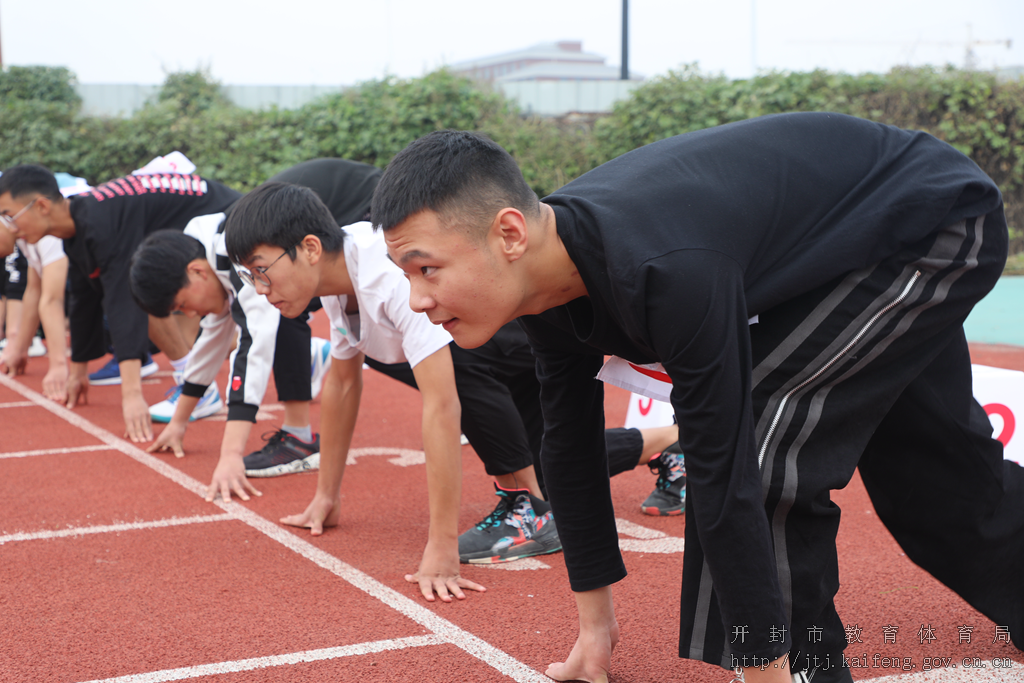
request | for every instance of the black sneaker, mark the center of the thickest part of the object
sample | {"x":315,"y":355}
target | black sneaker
{"x":669,"y":495}
{"x":520,"y":526}
{"x":284,"y":453}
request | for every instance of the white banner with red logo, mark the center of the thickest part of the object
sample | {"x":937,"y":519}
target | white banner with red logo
{"x":648,"y":406}
{"x":999,"y":391}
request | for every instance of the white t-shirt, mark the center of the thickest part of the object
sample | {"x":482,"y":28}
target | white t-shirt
{"x":42,"y":253}
{"x":385,"y":328}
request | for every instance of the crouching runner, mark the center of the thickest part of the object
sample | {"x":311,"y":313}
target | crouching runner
{"x":293,"y":251}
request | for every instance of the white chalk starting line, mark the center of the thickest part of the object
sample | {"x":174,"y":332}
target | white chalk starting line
{"x":54,"y":451}
{"x":276,"y":660}
{"x":17,"y":404}
{"x":113,"y":528}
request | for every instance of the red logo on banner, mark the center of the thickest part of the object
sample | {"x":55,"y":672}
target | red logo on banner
{"x":1009,"y":423}
{"x":640,"y":404}
{"x":236,"y":383}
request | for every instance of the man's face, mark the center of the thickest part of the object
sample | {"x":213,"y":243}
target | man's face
{"x":204,"y":295}
{"x":292,"y":283}
{"x":461,"y":283}
{"x":25,"y":212}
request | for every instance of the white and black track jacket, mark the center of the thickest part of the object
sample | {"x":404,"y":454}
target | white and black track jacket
{"x":247,"y":314}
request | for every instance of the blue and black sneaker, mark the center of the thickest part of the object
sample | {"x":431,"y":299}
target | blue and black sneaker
{"x":520,"y":526}
{"x":111,"y":372}
{"x":669,"y":495}
{"x":283,"y":453}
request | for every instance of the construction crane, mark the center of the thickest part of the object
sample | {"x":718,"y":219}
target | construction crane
{"x":970,"y":57}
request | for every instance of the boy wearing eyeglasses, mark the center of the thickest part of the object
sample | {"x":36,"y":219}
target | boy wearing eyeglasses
{"x":190,"y":272}
{"x":282,"y":235}
{"x":101,"y":230}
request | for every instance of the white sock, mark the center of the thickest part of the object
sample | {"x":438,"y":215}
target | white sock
{"x":304,"y":433}
{"x":178,"y":366}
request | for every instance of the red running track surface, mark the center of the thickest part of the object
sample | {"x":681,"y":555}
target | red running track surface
{"x":115,"y":569}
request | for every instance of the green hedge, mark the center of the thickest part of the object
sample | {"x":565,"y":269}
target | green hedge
{"x":972,"y":111}
{"x":40,"y":122}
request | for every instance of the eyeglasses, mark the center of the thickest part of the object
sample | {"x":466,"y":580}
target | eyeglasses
{"x":9,"y":221}
{"x":259,"y":273}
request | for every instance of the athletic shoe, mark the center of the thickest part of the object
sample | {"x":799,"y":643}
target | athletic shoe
{"x":835,"y":673}
{"x":520,"y":526}
{"x":111,"y":372}
{"x":37,"y":348}
{"x":3,"y":343}
{"x":319,"y":363}
{"x":283,"y":453}
{"x":669,"y":495}
{"x":209,"y":404}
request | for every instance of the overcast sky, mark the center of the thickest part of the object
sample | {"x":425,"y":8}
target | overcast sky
{"x":329,"y":42}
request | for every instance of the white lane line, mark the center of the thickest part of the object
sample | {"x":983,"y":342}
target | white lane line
{"x":276,"y":660}
{"x":17,"y":404}
{"x":628,"y":528}
{"x":405,"y":456}
{"x":647,"y":540}
{"x":113,"y":528}
{"x":485,"y":652}
{"x":525,"y":564}
{"x":989,"y":674}
{"x":55,"y":451}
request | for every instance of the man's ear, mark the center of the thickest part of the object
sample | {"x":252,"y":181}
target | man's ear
{"x":510,"y":227}
{"x":6,"y":243}
{"x":195,"y":266}
{"x":313,"y":248}
{"x":44,"y":205}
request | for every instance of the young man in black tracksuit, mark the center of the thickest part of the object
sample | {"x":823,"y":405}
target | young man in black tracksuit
{"x":861,"y":249}
{"x":101,"y":230}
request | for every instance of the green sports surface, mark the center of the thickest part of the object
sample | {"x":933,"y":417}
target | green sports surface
{"x":999,"y":317}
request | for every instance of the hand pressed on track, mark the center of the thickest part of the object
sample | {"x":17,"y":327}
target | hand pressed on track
{"x":590,"y":659}
{"x":55,"y":384}
{"x":322,"y":512}
{"x":439,"y":573}
{"x":230,"y":477}
{"x":78,"y":390}
{"x":137,"y":421}
{"x":13,"y":364}
{"x":170,"y":439}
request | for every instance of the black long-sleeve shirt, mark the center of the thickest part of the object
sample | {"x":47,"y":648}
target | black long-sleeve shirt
{"x":110,"y":222}
{"x":679,"y":243}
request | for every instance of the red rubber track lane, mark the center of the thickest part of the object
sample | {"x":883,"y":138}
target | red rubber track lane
{"x":115,"y":568}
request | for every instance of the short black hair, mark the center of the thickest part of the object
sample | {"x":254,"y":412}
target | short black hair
{"x":159,"y":269}
{"x":460,"y":175}
{"x":281,"y":215}
{"x":28,"y":178}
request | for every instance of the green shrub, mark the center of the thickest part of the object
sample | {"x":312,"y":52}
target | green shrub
{"x":38,"y":83}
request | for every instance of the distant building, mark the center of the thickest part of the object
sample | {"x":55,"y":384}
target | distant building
{"x":561,"y":61}
{"x":553,"y":79}
{"x":1010,"y":73}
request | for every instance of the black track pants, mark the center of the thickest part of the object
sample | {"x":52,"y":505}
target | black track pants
{"x":873,"y":370}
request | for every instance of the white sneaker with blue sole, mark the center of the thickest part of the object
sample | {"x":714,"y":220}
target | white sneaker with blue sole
{"x":209,"y":404}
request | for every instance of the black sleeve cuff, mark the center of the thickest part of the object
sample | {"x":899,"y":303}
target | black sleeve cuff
{"x":242,"y":411}
{"x":193,"y":390}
